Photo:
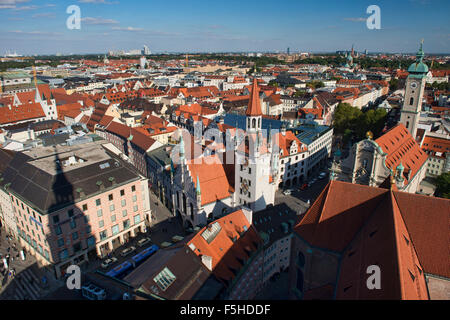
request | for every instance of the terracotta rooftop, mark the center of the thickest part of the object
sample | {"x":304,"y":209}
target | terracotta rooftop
{"x":374,"y":226}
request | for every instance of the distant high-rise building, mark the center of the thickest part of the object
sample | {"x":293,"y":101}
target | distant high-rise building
{"x":146,"y":51}
{"x":288,"y":51}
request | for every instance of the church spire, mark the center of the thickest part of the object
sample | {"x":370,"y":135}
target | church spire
{"x":254,"y":105}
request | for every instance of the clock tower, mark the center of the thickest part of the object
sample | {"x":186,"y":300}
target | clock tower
{"x":254,"y":188}
{"x":415,"y":87}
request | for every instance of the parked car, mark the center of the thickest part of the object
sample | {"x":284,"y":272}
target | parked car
{"x":304,"y":186}
{"x":143,"y":242}
{"x":108,"y":262}
{"x":313,"y":181}
{"x":127,"y":251}
{"x":287,"y":192}
{"x":322,"y":175}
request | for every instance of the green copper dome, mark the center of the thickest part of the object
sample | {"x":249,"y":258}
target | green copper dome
{"x":419,"y":67}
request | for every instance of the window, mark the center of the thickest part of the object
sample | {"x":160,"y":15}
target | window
{"x":60,"y":242}
{"x":123,"y":202}
{"x":99,"y":213}
{"x":126,"y":224}
{"x":98,"y":202}
{"x":85,"y":207}
{"x":113,"y":218}
{"x":101,"y":224}
{"x":90,"y":241}
{"x":137,"y":219}
{"x":135,"y":208}
{"x":58,"y":230}
{"x":70,"y":213}
{"x":124,"y":213}
{"x":110,"y":197}
{"x":134,"y":198}
{"x":133,"y":188}
{"x":73,"y":224}
{"x":122,"y":192}
{"x":411,"y":101}
{"x":75,"y":236}
{"x":115,"y":229}
{"x":56,"y":219}
{"x":63,"y":254}
{"x":103,"y":235}
{"x":164,"y":279}
{"x":112,"y":208}
{"x":88,"y":229}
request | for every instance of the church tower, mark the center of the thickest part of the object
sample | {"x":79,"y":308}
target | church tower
{"x":253,"y":161}
{"x":254,"y":113}
{"x":415,"y":87}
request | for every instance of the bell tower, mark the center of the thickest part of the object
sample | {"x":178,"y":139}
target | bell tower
{"x":415,"y":87}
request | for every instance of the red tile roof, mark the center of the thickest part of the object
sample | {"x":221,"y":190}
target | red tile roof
{"x":231,"y":247}
{"x":27,"y":111}
{"x":435,"y":146}
{"x":373,"y":226}
{"x":214,"y":183}
{"x":400,"y":146}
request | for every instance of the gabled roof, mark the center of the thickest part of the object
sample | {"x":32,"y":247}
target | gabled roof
{"x":285,"y":143}
{"x":400,"y":146}
{"x":21,"y":112}
{"x":213,"y":178}
{"x":373,"y":226}
{"x":234,"y":240}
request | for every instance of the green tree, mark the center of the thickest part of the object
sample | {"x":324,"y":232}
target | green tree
{"x":443,"y":185}
{"x":393,"y":84}
{"x":353,"y":123}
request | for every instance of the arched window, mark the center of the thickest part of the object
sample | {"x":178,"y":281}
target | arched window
{"x":411,"y":101}
{"x":407,"y":124}
{"x":259,"y":123}
{"x":248,"y":122}
{"x":184,"y":203}
{"x":247,"y":143}
{"x":192,"y":212}
{"x":254,"y":123}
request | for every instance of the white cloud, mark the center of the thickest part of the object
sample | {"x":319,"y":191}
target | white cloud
{"x":44,"y":15}
{"x":34,"y":32}
{"x":127,"y":29}
{"x":98,"y":21}
{"x":356,"y":19}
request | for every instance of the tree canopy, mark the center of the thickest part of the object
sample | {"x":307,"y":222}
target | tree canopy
{"x":353,"y":123}
{"x":443,"y":185}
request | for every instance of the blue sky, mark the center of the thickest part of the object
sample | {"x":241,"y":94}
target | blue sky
{"x":39,"y":27}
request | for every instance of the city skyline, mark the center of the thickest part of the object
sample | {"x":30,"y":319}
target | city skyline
{"x":39,"y":27}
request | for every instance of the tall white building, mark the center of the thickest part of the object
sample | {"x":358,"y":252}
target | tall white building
{"x":146,"y":51}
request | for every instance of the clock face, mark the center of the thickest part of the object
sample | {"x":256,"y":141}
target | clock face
{"x":413,"y":85}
